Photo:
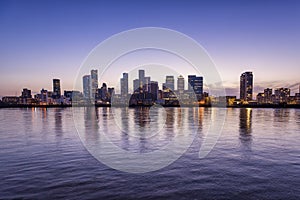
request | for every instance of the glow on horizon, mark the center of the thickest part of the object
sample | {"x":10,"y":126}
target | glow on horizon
{"x":45,"y":40}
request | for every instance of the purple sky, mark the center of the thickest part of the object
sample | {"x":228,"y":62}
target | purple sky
{"x":42,"y":40}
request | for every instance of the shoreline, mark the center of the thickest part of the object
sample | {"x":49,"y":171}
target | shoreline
{"x":296,"y":106}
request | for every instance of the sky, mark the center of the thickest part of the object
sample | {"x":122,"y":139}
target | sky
{"x":42,"y":40}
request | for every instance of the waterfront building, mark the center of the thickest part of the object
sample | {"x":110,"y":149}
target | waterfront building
{"x":86,"y":80}
{"x":94,"y":82}
{"x":246,"y":86}
{"x":56,"y":89}
{"x":170,"y":82}
{"x":180,"y":84}
{"x":196,"y":85}
{"x":124,"y":85}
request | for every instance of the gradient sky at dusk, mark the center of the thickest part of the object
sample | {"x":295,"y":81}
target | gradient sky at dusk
{"x":42,"y":40}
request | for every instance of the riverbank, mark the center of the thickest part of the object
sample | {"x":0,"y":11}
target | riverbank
{"x":109,"y":105}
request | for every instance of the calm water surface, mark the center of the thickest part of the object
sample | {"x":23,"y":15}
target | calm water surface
{"x":256,"y":157}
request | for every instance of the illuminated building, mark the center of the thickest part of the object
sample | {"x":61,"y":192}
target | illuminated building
{"x":196,"y":85}
{"x":26,"y":93}
{"x":282,"y":95}
{"x":246,"y":86}
{"x":56,"y":89}
{"x":268,"y":95}
{"x":44,"y":96}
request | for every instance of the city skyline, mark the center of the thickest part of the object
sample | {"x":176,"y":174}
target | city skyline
{"x":145,"y":84}
{"x":257,"y":36}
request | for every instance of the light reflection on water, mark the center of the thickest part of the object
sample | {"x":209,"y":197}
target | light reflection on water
{"x":256,"y":157}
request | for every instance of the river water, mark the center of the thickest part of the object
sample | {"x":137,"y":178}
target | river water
{"x":45,"y":153}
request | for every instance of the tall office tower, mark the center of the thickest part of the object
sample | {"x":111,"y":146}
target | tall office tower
{"x":191,"y":79}
{"x":141,"y":77}
{"x":154,"y":89}
{"x":136,"y":85}
{"x":124,"y":84}
{"x":268,"y":95}
{"x":180,"y":83}
{"x":146,"y":86}
{"x":246,"y":86}
{"x":94,"y":82}
{"x":170,"y":82}
{"x":56,"y":89}
{"x":26,"y":93}
{"x":86,"y":82}
{"x":196,"y":84}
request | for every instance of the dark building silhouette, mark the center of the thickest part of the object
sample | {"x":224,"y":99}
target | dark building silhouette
{"x":56,"y":89}
{"x":246,"y":86}
{"x":196,"y":85}
{"x":154,"y":90}
{"x":26,"y":93}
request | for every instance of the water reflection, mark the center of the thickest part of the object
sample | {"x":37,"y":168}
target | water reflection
{"x":141,"y":117}
{"x":91,"y":117}
{"x":281,"y":115}
{"x":125,"y":128}
{"x":58,"y":121}
{"x":140,"y":129}
{"x":170,"y":118}
{"x":45,"y":121}
{"x":245,"y":128}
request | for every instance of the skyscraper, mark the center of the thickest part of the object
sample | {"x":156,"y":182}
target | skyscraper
{"x":56,"y":89}
{"x":154,"y":89}
{"x":86,"y":82}
{"x":170,"y":82}
{"x":146,"y":86}
{"x":136,"y":85}
{"x":26,"y":93}
{"x":141,"y":77}
{"x":94,"y":82}
{"x":246,"y":86}
{"x":124,"y":84}
{"x":191,"y":79}
{"x":196,"y":85}
{"x":180,"y":83}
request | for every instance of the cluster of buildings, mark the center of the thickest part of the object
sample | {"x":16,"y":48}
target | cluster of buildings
{"x":146,"y":92}
{"x":45,"y":97}
{"x":281,"y":96}
{"x":92,"y":93}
